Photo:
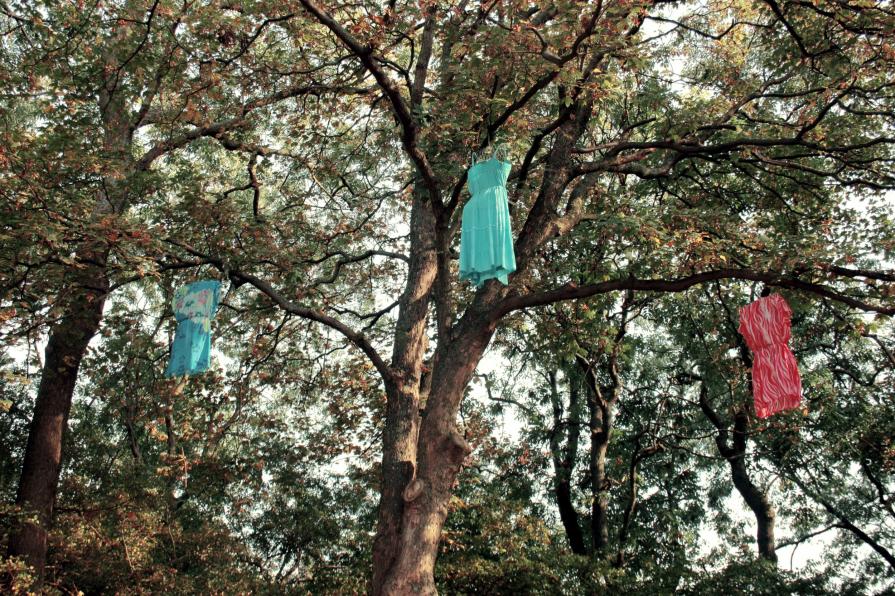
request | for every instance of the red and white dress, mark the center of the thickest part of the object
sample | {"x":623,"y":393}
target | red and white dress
{"x":775,"y":375}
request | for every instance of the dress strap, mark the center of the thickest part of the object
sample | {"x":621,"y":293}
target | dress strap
{"x":473,"y":158}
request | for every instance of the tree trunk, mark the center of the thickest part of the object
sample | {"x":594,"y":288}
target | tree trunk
{"x":82,"y":307}
{"x":569,"y":516}
{"x":403,"y":392}
{"x":735,"y":455}
{"x":441,"y":450}
{"x":81,"y":304}
{"x":599,"y":443}
{"x":398,"y":465}
{"x":601,"y":400}
{"x":564,"y":463}
{"x":600,"y":423}
{"x":755,"y":498}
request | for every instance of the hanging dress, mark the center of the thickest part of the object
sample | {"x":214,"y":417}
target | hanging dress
{"x":486,"y":239}
{"x":776,"y":383}
{"x":194,"y":306}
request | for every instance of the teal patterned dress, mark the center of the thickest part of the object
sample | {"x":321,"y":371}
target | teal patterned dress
{"x":194,"y":306}
{"x":486,"y":239}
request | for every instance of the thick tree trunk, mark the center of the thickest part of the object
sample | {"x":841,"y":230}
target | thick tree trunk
{"x":81,"y":302}
{"x":441,"y":450}
{"x":426,"y":508}
{"x":403,"y":391}
{"x":398,"y":465}
{"x":82,"y":306}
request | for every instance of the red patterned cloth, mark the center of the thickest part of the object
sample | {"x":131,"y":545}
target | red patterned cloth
{"x":775,"y":375}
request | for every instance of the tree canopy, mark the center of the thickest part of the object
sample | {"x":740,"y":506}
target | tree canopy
{"x":370,"y":423}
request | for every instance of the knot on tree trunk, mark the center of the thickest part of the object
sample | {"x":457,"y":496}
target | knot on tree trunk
{"x":413,"y":490}
{"x":457,"y":446}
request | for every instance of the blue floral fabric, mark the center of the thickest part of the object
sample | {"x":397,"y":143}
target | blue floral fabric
{"x":194,"y":307}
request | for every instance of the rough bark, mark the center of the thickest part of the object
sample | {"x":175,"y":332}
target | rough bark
{"x":411,"y":545}
{"x":441,"y":450}
{"x":407,"y":388}
{"x":398,"y":466}
{"x":400,"y":435}
{"x":407,"y":546}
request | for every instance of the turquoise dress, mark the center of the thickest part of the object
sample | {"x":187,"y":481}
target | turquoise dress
{"x":194,"y":306}
{"x":486,"y":239}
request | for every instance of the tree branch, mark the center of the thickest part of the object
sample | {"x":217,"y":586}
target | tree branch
{"x":571,"y":291}
{"x":845,"y":522}
{"x":218,"y":128}
{"x":409,"y":129}
{"x":358,"y":339}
